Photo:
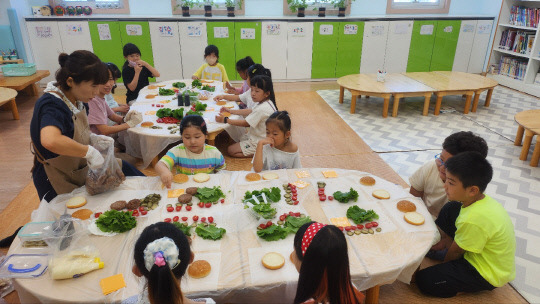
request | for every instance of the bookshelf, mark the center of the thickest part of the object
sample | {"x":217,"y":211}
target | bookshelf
{"x":515,"y":53}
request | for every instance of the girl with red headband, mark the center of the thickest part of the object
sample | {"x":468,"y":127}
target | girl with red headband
{"x":320,"y":256}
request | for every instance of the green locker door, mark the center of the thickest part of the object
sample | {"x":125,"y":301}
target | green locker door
{"x":422,"y":40}
{"x":225,"y":44}
{"x":109,"y":49}
{"x":325,"y":39}
{"x":444,"y":49}
{"x":349,"y":48}
{"x":138,"y":33}
{"x":247,"y":43}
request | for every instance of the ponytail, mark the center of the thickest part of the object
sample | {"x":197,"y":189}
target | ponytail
{"x":163,"y":287}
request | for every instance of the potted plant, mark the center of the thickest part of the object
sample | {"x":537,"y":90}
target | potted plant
{"x":322,"y":7}
{"x":297,"y":5}
{"x":230,"y":4}
{"x":186,"y":5}
{"x":341,"y":5}
{"x":208,"y":8}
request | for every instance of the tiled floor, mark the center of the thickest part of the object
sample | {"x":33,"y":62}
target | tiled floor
{"x":410,"y":139}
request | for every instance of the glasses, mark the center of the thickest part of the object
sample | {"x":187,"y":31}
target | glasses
{"x":438,"y":157}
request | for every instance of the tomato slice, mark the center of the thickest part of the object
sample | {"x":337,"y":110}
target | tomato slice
{"x":178,"y":208}
{"x":268,"y":224}
{"x":200,"y":204}
{"x":167,"y":220}
{"x":282,"y":218}
{"x":144,"y":212}
{"x":170,"y":209}
{"x":368,"y":225}
{"x":184,"y":218}
{"x":374,"y":224}
{"x":360,"y":226}
{"x":331,"y":198}
{"x":210,"y":219}
{"x":208,"y":205}
{"x":188,"y":208}
{"x":175,"y":219}
{"x":195,"y":218}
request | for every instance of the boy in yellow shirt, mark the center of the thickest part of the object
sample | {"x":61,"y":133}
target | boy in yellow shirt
{"x":476,"y":230}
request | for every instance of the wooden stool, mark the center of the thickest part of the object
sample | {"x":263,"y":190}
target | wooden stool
{"x":529,"y":124}
{"x":8,"y":95}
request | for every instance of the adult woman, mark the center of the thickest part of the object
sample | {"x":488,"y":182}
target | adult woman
{"x":59,"y":129}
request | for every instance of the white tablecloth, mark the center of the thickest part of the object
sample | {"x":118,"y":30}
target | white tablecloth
{"x":237,"y":274}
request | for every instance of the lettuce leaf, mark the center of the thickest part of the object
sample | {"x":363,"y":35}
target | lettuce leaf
{"x":186,"y":229}
{"x":116,"y":221}
{"x":359,"y":215}
{"x":294,"y":223}
{"x":210,"y":232}
{"x":209,"y":195}
{"x":345,"y":197}
{"x":273,"y":233}
{"x":265,"y":210}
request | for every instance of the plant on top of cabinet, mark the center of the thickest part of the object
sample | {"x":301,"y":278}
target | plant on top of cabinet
{"x":322,"y":7}
{"x":298,"y":5}
{"x":186,"y":5}
{"x":230,"y":4}
{"x":208,"y":7}
{"x":341,"y":5}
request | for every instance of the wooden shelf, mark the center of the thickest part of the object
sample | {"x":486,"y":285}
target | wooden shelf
{"x":512,"y":53}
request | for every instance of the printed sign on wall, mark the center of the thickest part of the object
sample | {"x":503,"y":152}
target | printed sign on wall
{"x":448,"y":29}
{"x":426,"y":29}
{"x":247,"y":33}
{"x":43,"y":32}
{"x":166,"y":31}
{"x":273,"y":29}
{"x":401,"y":28}
{"x":326,"y":29}
{"x":194,"y":31}
{"x":377,"y":30}
{"x":104,"y":32}
{"x":221,"y":32}
{"x":74,"y":29}
{"x":134,"y":29}
{"x":468,"y":28}
{"x":350,"y":29}
{"x":484,"y":29}
{"x":299,"y":31}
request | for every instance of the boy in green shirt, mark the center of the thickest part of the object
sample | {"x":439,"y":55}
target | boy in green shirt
{"x":476,"y":230}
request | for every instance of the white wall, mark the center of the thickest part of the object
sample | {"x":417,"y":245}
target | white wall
{"x":4,"y":5}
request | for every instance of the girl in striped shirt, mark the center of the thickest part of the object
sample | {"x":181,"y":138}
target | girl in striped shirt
{"x":192,"y":156}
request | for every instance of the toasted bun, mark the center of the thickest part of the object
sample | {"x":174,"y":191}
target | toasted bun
{"x":252,"y":177}
{"x":406,"y":206}
{"x":228,"y":105}
{"x":273,"y":260}
{"x":225,"y":114}
{"x":367,"y":181}
{"x":414,"y":218}
{"x":199,"y":269}
{"x":82,"y":214}
{"x":147,"y":124}
{"x":221,"y":103}
{"x":152,"y":87}
{"x":150,"y":96}
{"x":76,"y":202}
{"x":207,"y":80}
{"x":201,"y":177}
{"x":180,"y":178}
{"x":269,"y":176}
{"x":381,"y":194}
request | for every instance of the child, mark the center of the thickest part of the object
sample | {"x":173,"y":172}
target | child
{"x":99,"y":111}
{"x":242,"y":67}
{"x":428,"y":181}
{"x":212,"y":69}
{"x":477,"y":232}
{"x":244,"y":100}
{"x":162,"y":255}
{"x":320,"y":256}
{"x":262,"y":93}
{"x":135,"y":72}
{"x":109,"y":98}
{"x":192,"y":155}
{"x":276,"y":151}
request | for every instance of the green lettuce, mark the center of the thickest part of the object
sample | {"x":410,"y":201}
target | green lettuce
{"x":116,"y":221}
{"x":210,"y":232}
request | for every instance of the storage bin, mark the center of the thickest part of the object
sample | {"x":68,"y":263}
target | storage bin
{"x":21,"y":69}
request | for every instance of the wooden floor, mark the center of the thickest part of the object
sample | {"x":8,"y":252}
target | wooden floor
{"x":322,"y":136}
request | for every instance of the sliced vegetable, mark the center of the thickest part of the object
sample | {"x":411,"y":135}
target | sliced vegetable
{"x":166,"y":92}
{"x":179,"y":85}
{"x":345,"y":197}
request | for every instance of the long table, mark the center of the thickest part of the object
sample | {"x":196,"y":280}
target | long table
{"x":237,"y":275}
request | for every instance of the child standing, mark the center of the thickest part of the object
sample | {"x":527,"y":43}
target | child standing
{"x":262,"y":93}
{"x":135,"y":72}
{"x":320,"y":256}
{"x":477,"y":232}
{"x":162,"y":255}
{"x":242,"y":67}
{"x":192,"y":155}
{"x":212,"y":69}
{"x":276,"y":151}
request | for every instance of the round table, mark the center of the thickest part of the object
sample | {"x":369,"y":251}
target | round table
{"x":528,"y":123}
{"x":237,"y":275}
{"x":8,"y":95}
{"x":147,"y":143}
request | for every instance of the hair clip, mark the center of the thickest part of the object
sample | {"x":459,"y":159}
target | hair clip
{"x":159,"y":259}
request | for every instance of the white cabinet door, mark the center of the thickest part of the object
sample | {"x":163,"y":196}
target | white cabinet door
{"x":480,"y":46}
{"x":46,"y":46}
{"x":299,"y":49}
{"x":374,"y":46}
{"x":166,"y":50}
{"x":75,"y":35}
{"x":192,"y":43}
{"x":274,"y":48}
{"x":397,"y":46}
{"x":464,"y":45}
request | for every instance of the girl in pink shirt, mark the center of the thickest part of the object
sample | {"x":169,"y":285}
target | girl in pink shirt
{"x":242,"y":67}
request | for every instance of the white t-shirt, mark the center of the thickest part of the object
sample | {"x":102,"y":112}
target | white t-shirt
{"x":427,"y":179}
{"x":275,"y":159}
{"x":257,"y":120}
{"x":246,"y":99}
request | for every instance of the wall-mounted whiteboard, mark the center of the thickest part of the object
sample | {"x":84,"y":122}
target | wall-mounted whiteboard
{"x":274,"y":48}
{"x":374,"y":46}
{"x":299,"y":49}
{"x":46,"y":46}
{"x":193,"y":40}
{"x":75,"y":35}
{"x":397,"y":46}
{"x":166,"y":50}
{"x":464,"y":45}
{"x":480,"y":46}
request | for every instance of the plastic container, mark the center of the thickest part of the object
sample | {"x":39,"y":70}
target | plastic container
{"x":33,"y":234}
{"x":24,"y":266}
{"x":21,"y":69}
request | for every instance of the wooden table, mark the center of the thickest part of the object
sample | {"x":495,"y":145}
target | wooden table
{"x":397,"y":85}
{"x":528,"y":123}
{"x":8,"y":95}
{"x":26,"y":83}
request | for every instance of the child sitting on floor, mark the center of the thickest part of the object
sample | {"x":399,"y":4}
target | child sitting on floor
{"x":320,"y":255}
{"x":242,"y":67}
{"x":477,"y":232}
{"x":245,"y":103}
{"x":135,"y":72}
{"x":276,"y":151}
{"x":162,"y":255}
{"x":192,"y":156}
{"x":262,"y":93}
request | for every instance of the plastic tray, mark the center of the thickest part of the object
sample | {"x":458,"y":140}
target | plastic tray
{"x":24,"y":266}
{"x":34,"y":231}
{"x":21,"y":69}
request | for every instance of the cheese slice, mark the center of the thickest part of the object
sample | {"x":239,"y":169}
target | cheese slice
{"x":301,"y":184}
{"x":112,"y":283}
{"x":150,"y":113}
{"x":302,"y":174}
{"x":340,"y":221}
{"x":329,"y":173}
{"x":175,"y":193}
